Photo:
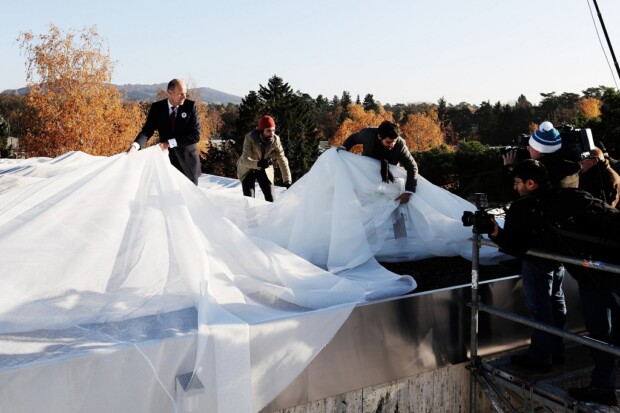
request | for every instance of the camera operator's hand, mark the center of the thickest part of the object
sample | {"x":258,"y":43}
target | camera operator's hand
{"x":510,"y":157}
{"x":495,"y":231}
{"x":587,"y":163}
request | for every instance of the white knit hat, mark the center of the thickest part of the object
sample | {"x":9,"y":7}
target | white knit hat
{"x":546,"y":139}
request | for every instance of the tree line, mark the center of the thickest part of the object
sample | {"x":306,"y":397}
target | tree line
{"x":71,"y":105}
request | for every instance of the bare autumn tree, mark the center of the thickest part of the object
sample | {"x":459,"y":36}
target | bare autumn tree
{"x":71,"y":104}
{"x":422,"y":131}
{"x":358,"y":119}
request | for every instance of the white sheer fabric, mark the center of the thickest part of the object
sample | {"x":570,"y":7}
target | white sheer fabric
{"x":102,"y":253}
{"x":90,"y":246}
{"x":340,"y":215}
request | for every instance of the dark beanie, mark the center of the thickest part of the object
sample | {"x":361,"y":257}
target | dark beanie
{"x":266,"y":122}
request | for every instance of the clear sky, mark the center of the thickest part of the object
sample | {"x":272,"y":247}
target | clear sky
{"x":401,"y":51}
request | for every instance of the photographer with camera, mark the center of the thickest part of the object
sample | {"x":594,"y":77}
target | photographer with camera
{"x":255,"y":162}
{"x":571,"y":222}
{"x":545,"y":145}
{"x":599,"y":179}
{"x":542,"y":279}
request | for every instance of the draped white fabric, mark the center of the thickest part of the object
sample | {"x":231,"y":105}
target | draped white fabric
{"x":87,"y":243}
{"x":340,"y":215}
{"x":99,"y":252}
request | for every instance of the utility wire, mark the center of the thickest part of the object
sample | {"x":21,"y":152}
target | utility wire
{"x":601,"y":43}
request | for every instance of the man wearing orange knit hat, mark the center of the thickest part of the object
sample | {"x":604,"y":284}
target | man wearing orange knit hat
{"x":260,"y":148}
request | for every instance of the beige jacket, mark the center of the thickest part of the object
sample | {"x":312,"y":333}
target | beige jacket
{"x":254,"y":150}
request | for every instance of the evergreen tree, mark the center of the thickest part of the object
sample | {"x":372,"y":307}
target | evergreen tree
{"x":451,"y":137}
{"x":335,"y":103}
{"x":487,"y":120}
{"x":370,"y":104}
{"x":442,"y":108}
{"x":322,"y":103}
{"x":249,"y":109}
{"x":594,"y":92}
{"x":4,"y":134}
{"x":322,"y":109}
{"x":462,"y":119}
{"x":230,"y":115}
{"x":358,"y":101}
{"x":507,"y":127}
{"x":609,"y":131}
{"x":220,"y":160}
{"x":12,"y":109}
{"x":300,"y":135}
{"x":345,"y":101}
{"x":295,"y":116}
{"x":557,"y":109}
{"x":524,"y":114}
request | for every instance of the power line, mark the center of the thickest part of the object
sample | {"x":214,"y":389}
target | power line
{"x":600,"y":16}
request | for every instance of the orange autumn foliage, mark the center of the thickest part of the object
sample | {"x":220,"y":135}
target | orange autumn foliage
{"x":210,"y":122}
{"x":71,"y":104}
{"x":590,"y":107}
{"x":358,"y":119}
{"x":422,"y":131}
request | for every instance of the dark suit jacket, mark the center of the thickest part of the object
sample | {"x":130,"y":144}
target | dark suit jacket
{"x":186,"y":132}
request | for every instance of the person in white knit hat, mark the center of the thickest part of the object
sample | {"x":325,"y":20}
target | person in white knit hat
{"x":546,"y":139}
{"x":545,"y":145}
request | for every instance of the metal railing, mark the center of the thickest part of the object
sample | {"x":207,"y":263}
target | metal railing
{"x":477,"y":306}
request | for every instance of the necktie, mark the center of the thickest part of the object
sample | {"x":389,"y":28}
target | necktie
{"x":173,"y":117}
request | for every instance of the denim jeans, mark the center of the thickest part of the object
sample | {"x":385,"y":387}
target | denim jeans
{"x":544,"y":298}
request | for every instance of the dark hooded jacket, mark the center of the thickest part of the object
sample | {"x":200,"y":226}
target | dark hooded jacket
{"x":566,"y":221}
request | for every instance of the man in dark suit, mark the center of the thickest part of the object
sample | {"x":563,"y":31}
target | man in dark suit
{"x":176,"y":120}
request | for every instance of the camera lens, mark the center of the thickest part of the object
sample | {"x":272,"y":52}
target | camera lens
{"x":467,"y":219}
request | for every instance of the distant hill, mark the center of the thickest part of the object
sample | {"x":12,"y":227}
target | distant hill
{"x":149,"y":92}
{"x":142,"y":92}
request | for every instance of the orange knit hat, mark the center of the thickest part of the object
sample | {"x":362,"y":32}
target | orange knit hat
{"x":266,"y":122}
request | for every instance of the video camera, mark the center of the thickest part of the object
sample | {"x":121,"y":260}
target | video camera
{"x":481,"y":220}
{"x":520,"y":145}
{"x":576,"y":143}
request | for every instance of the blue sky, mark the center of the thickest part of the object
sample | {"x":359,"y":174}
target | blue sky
{"x":401,"y":51}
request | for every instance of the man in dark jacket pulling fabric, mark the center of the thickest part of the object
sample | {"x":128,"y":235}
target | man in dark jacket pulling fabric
{"x":570,"y":222}
{"x":176,"y":120}
{"x":384,"y":144}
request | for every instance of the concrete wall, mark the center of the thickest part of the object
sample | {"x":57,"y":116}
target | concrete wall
{"x":442,"y":390}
